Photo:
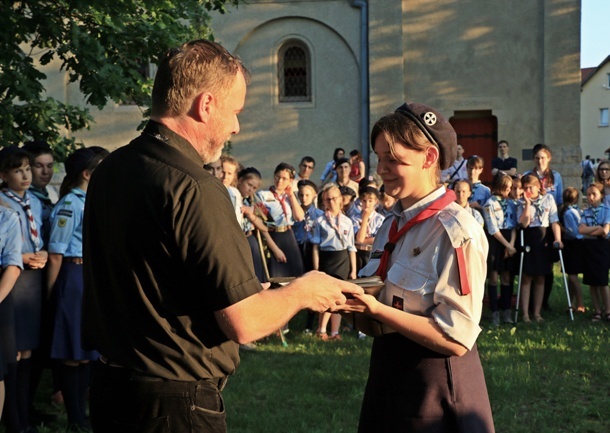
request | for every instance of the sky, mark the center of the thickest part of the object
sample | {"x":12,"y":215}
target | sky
{"x":595,"y":32}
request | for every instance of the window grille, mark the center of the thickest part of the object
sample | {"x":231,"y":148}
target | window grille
{"x":294,"y":74}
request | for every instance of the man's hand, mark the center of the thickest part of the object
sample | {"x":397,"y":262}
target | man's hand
{"x":325,"y":292}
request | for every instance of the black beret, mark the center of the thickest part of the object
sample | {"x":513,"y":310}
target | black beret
{"x":78,"y":161}
{"x":435,"y":128}
{"x":346,"y":190}
{"x":368,"y":190}
{"x":306,"y":182}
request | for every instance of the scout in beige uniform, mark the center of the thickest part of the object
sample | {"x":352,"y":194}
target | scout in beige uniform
{"x":425,"y":374}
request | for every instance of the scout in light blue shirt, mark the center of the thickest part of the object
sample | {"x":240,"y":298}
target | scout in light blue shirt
{"x":480,"y":194}
{"x":571,"y":221}
{"x":543,"y":211}
{"x":10,"y":239}
{"x":28,"y":245}
{"x":499,"y":215}
{"x":330,"y":239}
{"x":67,"y":225}
{"x":596,"y":216}
{"x":279,"y":216}
{"x":303,"y":230}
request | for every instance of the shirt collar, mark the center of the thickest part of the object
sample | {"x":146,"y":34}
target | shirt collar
{"x":416,"y":208}
{"x":169,"y":137}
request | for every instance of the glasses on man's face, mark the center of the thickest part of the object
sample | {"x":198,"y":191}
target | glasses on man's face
{"x":332,"y":199}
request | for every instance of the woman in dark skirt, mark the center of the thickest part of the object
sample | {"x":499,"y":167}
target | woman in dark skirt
{"x":281,"y":208}
{"x":65,"y":283}
{"x":11,"y":265}
{"x":537,"y":214}
{"x":334,"y":251}
{"x":425,"y":374}
{"x":594,"y":226}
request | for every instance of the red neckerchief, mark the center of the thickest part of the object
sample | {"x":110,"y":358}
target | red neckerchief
{"x":435,"y":207}
{"x":281,"y":199}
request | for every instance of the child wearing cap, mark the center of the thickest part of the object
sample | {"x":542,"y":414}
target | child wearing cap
{"x":16,"y":175}
{"x":431,"y":255}
{"x":65,"y":285}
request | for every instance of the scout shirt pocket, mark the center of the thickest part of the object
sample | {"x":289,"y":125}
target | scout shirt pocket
{"x":409,"y":288}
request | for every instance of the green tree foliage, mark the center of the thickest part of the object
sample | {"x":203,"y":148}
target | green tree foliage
{"x":101,"y":46}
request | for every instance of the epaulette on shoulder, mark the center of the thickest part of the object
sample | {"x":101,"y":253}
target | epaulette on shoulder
{"x":457,"y":224}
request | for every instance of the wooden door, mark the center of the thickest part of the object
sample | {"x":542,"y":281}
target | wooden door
{"x":478,"y":136}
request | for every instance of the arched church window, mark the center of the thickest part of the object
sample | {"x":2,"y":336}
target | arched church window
{"x":294,"y":73}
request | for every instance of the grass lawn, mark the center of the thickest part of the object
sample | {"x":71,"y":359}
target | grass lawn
{"x":550,"y":377}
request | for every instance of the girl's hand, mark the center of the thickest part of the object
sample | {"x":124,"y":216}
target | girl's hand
{"x":558,"y":244}
{"x":248,"y":212}
{"x":279,"y":255}
{"x":362,"y":303}
{"x":353,"y":275}
{"x":38,"y":260}
{"x":527,"y":197}
{"x":511,"y":251}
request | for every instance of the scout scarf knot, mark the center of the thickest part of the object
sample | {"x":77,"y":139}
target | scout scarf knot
{"x":435,"y":207}
{"x":25,"y":205}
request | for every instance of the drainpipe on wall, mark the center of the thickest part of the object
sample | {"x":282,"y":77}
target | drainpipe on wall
{"x":364,"y":78}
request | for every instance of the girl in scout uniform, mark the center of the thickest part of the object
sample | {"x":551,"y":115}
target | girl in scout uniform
{"x":281,"y":208}
{"x":573,"y":250}
{"x":303,"y":231}
{"x":366,"y":223}
{"x":334,"y":251}
{"x":501,"y":223}
{"x":463,"y":191}
{"x":594,"y":226}
{"x":537,"y":212}
{"x":65,"y":285}
{"x":425,"y":374}
{"x":16,"y":175}
{"x":480,"y":193}
{"x":248,"y":181}
{"x":11,"y":265}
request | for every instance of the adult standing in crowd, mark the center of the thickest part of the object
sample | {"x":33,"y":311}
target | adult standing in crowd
{"x":587,"y":173}
{"x":343,"y":168}
{"x":602,"y":175}
{"x":329,"y":174}
{"x":306,"y":168}
{"x":457,"y":170}
{"x":503,"y":163}
{"x":425,"y":374}
{"x":358,"y":169}
{"x":169,"y":284}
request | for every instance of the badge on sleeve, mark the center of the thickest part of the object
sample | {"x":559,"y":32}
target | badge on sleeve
{"x":61,"y":223}
{"x":398,"y":303}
